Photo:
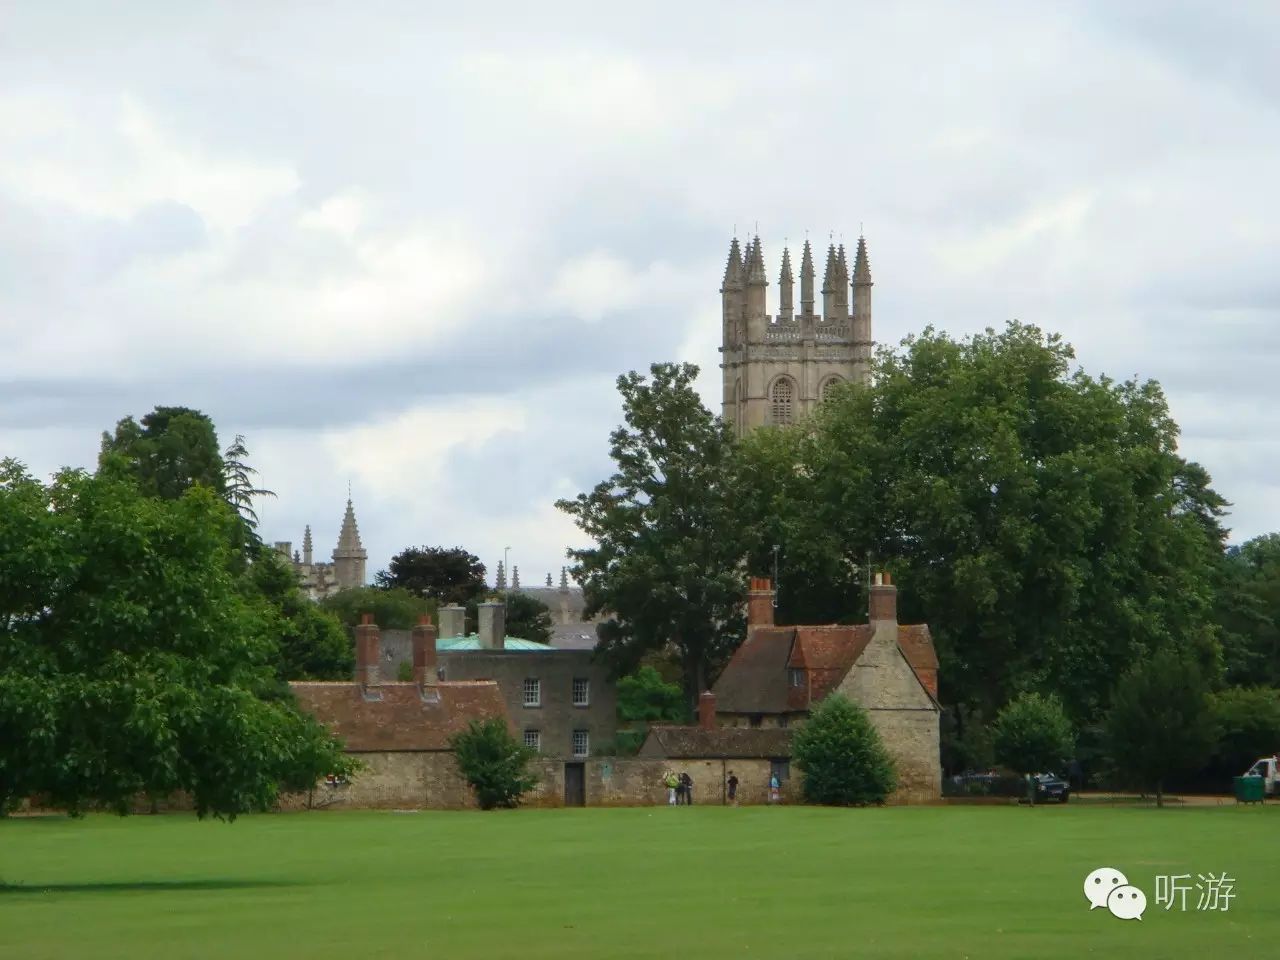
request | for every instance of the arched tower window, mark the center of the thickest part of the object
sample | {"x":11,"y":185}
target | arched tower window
{"x":830,"y":382}
{"x":781,"y":401}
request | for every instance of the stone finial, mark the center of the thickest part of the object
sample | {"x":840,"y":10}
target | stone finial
{"x":564,"y":578}
{"x":842,"y":264}
{"x":861,"y":264}
{"x":500,"y":583}
{"x":733,"y":272}
{"x":785,"y":287}
{"x":306,"y":545}
{"x":806,"y":281}
{"x":548,"y":579}
{"x":755,"y":264}
{"x":515,"y":577}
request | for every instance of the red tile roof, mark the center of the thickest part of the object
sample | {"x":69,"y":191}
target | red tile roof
{"x":404,"y":718}
{"x":755,"y":679}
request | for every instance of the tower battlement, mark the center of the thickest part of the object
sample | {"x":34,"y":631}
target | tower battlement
{"x":778,"y":367}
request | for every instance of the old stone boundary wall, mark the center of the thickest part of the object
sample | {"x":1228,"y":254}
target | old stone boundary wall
{"x":431,"y":781}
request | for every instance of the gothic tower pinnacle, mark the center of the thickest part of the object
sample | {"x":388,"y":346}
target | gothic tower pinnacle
{"x":349,"y":556}
{"x":786,"y":309}
{"x":862,"y":310}
{"x":806,"y":281}
{"x":306,"y":545}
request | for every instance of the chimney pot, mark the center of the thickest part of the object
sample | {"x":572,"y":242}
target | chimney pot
{"x":883,"y":600}
{"x":366,"y":618}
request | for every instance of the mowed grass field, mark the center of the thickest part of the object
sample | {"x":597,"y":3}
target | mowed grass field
{"x":692,"y":883}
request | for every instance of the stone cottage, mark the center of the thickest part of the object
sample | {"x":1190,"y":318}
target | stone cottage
{"x":400,"y":731}
{"x":779,"y":673}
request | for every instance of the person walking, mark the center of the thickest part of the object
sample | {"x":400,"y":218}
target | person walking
{"x":672,"y":784}
{"x":732,"y":783}
{"x":686,"y":786}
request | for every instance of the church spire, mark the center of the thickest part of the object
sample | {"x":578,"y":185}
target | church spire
{"x":785,"y":287}
{"x":806,"y":281}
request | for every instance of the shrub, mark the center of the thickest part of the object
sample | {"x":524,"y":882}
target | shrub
{"x":843,"y":760}
{"x":495,"y":765}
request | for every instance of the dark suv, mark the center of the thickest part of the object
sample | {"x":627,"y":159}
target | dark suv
{"x":1050,"y":786}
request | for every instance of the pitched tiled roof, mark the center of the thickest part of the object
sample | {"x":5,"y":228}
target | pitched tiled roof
{"x":695,"y":743}
{"x":755,"y":679}
{"x":405,"y":718}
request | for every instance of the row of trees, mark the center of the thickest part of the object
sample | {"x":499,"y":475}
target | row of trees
{"x":1040,"y":520}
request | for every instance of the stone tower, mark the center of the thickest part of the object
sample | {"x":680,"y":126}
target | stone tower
{"x":777,"y":369}
{"x":349,"y":556}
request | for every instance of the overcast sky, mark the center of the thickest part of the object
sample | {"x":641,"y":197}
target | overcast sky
{"x":411,"y":245}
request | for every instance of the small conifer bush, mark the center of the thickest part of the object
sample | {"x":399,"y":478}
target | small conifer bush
{"x":842,"y":757}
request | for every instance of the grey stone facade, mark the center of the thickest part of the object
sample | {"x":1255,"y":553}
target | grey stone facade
{"x":776,"y":369}
{"x":556,"y":717}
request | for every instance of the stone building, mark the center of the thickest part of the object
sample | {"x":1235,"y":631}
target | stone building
{"x":320,"y":580}
{"x":400,"y":731}
{"x":571,"y":628}
{"x":562,"y":703}
{"x":778,"y":368}
{"x":779,"y":673}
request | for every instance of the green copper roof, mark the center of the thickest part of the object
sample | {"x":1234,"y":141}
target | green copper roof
{"x":473,"y":643}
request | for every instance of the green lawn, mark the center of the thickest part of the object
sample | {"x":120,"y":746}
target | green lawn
{"x":982,"y":882}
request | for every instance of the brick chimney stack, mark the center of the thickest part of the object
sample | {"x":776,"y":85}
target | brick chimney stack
{"x":424,"y":652}
{"x":760,"y":603}
{"x":884,"y":599}
{"x":707,"y":710}
{"x":368,"y":642}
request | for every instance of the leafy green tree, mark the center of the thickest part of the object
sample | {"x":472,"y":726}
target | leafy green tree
{"x":670,"y":541}
{"x":528,"y":618}
{"x":1161,"y":722}
{"x":171,"y":450}
{"x":644,"y":697}
{"x":493,"y":763}
{"x":1248,"y":611}
{"x":842,"y":757}
{"x":132,"y":661}
{"x":393,"y":609}
{"x":312,"y":644}
{"x":1248,"y":725}
{"x":1021,"y":504}
{"x":1033,"y":735}
{"x":449,"y":576}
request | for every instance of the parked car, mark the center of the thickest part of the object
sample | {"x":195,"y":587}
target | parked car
{"x":1268,"y":768}
{"x":1051,"y":787}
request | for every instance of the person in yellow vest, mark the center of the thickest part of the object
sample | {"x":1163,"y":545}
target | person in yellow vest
{"x":672,"y":782}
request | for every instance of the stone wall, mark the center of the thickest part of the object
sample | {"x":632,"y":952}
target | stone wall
{"x":400,"y":780}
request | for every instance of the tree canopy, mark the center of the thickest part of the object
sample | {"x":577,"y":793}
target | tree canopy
{"x":1032,"y":734}
{"x":311,"y":642}
{"x":1161,"y":721}
{"x":447,"y":575}
{"x":171,"y":450}
{"x":132,"y":659}
{"x":667,"y":563}
{"x":1248,"y":611}
{"x":528,"y":618}
{"x":393,"y":608}
{"x":493,"y":763}
{"x":1038,"y":519}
